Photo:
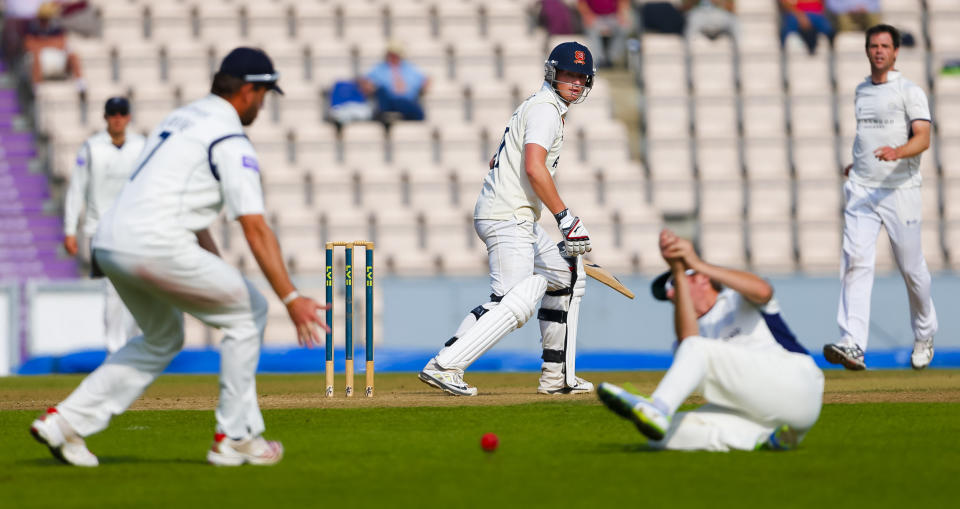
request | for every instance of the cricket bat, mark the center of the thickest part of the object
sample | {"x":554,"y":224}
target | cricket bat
{"x":604,"y":276}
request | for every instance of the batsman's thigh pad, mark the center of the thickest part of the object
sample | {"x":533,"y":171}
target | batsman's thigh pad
{"x":513,"y":311}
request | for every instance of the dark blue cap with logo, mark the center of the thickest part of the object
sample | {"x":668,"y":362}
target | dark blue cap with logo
{"x":117,"y":106}
{"x":574,"y":57}
{"x":251,"y":65}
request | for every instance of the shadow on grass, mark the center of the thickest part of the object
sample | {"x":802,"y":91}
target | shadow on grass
{"x":116,"y":460}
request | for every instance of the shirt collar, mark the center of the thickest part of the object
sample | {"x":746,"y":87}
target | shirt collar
{"x":891,"y":76}
{"x":556,"y":98}
{"x":222,"y":108}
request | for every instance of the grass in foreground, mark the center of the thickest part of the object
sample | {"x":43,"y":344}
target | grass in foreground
{"x":553,"y":454}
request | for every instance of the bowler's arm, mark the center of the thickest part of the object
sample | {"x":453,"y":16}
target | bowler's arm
{"x":918,"y":142}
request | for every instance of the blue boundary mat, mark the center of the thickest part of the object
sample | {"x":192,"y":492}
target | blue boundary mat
{"x":302,"y":360}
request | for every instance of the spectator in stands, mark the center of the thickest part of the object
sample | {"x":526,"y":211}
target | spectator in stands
{"x":808,"y":19}
{"x":557,"y":17}
{"x":46,"y":41}
{"x":606,"y":18}
{"x":659,"y":17}
{"x":853,"y":15}
{"x":17,"y":15}
{"x":397,"y":85}
{"x":712,"y":18}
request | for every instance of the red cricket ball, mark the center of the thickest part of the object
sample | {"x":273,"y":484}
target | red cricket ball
{"x":489,"y":442}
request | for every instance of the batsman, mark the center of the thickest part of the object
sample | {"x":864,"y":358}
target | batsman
{"x":525,"y":264}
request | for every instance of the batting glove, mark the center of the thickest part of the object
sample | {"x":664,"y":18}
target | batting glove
{"x":576,"y":240}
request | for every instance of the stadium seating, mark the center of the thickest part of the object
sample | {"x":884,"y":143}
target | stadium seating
{"x":747,"y":140}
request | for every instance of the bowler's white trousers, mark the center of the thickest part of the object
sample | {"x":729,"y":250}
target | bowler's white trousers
{"x":118,"y":324}
{"x":157,"y":291}
{"x":749,"y":394}
{"x":899,"y":211}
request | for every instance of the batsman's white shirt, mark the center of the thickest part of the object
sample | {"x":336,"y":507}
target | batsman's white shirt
{"x":101,"y":171}
{"x":195,"y":161}
{"x":884,"y":113}
{"x":507,"y":193}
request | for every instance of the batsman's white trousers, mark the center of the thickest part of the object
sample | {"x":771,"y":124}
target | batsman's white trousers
{"x":749,"y":394}
{"x":157,"y":291}
{"x":899,"y":211}
{"x":518,"y":249}
{"x":118,"y":324}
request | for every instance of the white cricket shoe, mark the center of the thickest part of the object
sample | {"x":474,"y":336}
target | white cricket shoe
{"x":450,"y":381}
{"x":581,"y":386}
{"x":648,"y":419}
{"x":850,"y":356}
{"x":52,"y":430}
{"x":922,"y":353}
{"x":227,"y":452}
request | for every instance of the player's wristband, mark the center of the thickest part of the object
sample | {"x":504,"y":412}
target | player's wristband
{"x":560,"y":215}
{"x":292,"y":296}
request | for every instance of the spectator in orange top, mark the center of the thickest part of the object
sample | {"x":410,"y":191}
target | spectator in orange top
{"x":808,"y":19}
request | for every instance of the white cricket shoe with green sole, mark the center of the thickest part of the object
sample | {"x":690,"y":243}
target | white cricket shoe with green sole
{"x":639,"y":410}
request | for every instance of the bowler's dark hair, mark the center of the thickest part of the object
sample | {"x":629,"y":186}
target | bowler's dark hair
{"x":225,"y":85}
{"x":877,"y":29}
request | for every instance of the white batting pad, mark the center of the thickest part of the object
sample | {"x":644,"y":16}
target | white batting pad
{"x":573,"y":319}
{"x":514,"y":310}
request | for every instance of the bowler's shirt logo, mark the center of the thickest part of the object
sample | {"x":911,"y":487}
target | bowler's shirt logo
{"x":251,"y":162}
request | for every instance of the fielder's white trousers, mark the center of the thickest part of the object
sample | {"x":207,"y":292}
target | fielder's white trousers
{"x":899,"y":211}
{"x":157,"y":291}
{"x":518,"y":249}
{"x":749,"y":394}
{"x":118,"y":324}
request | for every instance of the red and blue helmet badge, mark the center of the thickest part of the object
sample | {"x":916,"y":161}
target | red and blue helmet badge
{"x":579,"y":58}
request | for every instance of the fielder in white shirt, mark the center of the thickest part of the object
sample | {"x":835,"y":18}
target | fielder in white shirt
{"x":763,"y":389}
{"x":883,"y":190}
{"x":154,"y":246}
{"x":525,"y":264}
{"x":104,"y":164}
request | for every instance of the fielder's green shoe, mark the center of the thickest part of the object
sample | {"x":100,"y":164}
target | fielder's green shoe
{"x":639,"y":410}
{"x":783,"y":438}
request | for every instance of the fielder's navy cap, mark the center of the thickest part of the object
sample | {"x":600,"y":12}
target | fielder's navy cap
{"x":117,"y":106}
{"x":252,"y":65}
{"x":663,"y":283}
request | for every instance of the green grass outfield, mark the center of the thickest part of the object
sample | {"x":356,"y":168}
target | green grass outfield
{"x":553,"y":453}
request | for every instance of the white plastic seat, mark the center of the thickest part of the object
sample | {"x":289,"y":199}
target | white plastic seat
{"x":715,"y":118}
{"x":723,"y":243}
{"x":811,"y":116}
{"x":771,"y":247}
{"x":667,"y":118}
{"x":769,"y":201}
{"x":760,"y":74}
{"x":819,"y":246}
{"x":721,"y":201}
{"x":815,"y":158}
{"x":763,"y":117}
{"x":807,"y":74}
{"x":819,"y":200}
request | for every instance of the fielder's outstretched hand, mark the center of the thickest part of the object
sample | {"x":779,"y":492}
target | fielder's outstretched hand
{"x":674,"y":248}
{"x":576,"y":239}
{"x":305,"y":314}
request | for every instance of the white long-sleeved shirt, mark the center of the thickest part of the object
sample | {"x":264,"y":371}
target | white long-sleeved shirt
{"x":101,"y":171}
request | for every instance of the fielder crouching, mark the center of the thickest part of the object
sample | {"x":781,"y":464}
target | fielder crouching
{"x":763,"y":389}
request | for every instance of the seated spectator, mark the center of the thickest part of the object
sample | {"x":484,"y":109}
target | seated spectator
{"x":854,"y":15}
{"x":557,"y":17}
{"x":658,"y":17}
{"x":808,"y":19}
{"x":712,"y":18}
{"x":46,"y":41}
{"x":397,"y":85}
{"x":606,"y":18}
